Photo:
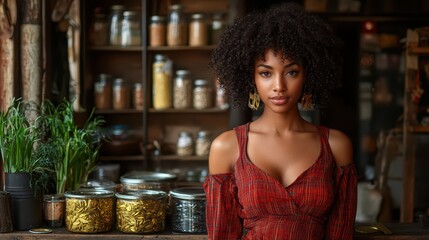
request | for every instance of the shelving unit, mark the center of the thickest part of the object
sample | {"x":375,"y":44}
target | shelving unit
{"x":411,"y":126}
{"x":134,"y":64}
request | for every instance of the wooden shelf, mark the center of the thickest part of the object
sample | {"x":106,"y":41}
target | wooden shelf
{"x":116,"y":48}
{"x":209,"y":110}
{"x":424,"y":51}
{"x":179,"y":158}
{"x":122,"y":158}
{"x":181,"y":48}
{"x":117,"y":111}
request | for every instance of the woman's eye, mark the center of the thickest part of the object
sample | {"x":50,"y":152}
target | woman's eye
{"x":264,"y":74}
{"x":292,"y":73}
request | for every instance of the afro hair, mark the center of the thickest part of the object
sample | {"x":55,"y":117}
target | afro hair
{"x":289,"y":31}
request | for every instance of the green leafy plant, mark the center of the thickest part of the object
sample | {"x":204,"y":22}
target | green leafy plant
{"x":73,"y":150}
{"x":19,"y":140}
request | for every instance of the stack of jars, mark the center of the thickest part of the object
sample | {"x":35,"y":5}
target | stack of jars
{"x":177,"y":30}
{"x":121,"y":28}
{"x":116,"y":93}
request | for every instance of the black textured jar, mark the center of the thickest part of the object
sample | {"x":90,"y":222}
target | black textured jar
{"x":188,"y":210}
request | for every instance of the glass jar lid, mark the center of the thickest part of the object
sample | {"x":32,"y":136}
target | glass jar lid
{"x":141,"y":194}
{"x":188,"y":193}
{"x":182,"y":72}
{"x":197,"y":16}
{"x":156,"y":18}
{"x":137,"y":177}
{"x":85,"y":194}
{"x":98,"y":185}
{"x":130,"y":13}
{"x":203,"y":134}
{"x":176,"y":7}
{"x":201,"y":82}
{"x":159,"y":57}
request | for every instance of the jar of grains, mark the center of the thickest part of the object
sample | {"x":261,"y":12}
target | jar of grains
{"x":177,"y":27}
{"x":130,"y":31}
{"x":161,"y":83}
{"x":115,"y":22}
{"x":188,"y":210}
{"x":138,"y":96}
{"x":98,"y":32}
{"x":103,"y":92}
{"x":89,"y":211}
{"x":141,"y":211}
{"x":202,"y":143}
{"x":182,"y":90}
{"x":157,"y":31}
{"x":198,"y":30}
{"x":203,"y":94}
{"x":121,"y":94}
{"x":185,"y":144}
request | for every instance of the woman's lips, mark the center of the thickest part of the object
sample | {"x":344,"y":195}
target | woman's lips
{"x":279,"y":100}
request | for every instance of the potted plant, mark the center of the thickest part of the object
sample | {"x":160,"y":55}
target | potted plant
{"x":73,"y":151}
{"x":25,"y":175}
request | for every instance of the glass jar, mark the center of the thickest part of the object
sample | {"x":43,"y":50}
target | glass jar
{"x":161,"y":83}
{"x":157,"y":31}
{"x":182,"y":90}
{"x":203,"y":94}
{"x":130,"y":31}
{"x":98,"y":34}
{"x":89,"y":211}
{"x":115,"y":20}
{"x":54,"y":210}
{"x":221,"y":98}
{"x":142,"y":211}
{"x":218,"y":25}
{"x":121,"y":94}
{"x":198,"y":30}
{"x":138,"y":96}
{"x":177,"y":27}
{"x":202,"y":143}
{"x":185,"y":144}
{"x":188,"y":210}
{"x":143,"y":180}
{"x":103,"y":92}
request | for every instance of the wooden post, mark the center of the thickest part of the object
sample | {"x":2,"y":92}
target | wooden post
{"x":31,"y":51}
{"x":8,"y":13}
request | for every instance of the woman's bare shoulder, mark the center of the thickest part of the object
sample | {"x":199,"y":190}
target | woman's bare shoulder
{"x":223,"y":153}
{"x":341,"y":147}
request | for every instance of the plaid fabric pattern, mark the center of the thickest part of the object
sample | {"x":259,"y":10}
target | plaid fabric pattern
{"x":250,"y":204}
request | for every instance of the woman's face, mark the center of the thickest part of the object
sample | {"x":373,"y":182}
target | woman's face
{"x":279,"y":82}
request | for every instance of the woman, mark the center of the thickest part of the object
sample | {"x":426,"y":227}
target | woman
{"x":280,"y":177}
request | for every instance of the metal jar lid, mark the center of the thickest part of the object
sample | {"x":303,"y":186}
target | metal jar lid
{"x":98,"y":185}
{"x":141,"y":194}
{"x":188,"y":193}
{"x":138,"y":177}
{"x":85,"y":194}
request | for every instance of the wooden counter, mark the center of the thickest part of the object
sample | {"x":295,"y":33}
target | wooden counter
{"x":399,"y":232}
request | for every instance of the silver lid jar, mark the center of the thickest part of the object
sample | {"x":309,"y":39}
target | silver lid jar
{"x":182,"y":90}
{"x":188,"y":210}
{"x":145,"y":180}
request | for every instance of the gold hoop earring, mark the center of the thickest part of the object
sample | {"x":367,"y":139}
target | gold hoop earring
{"x":254,"y":100}
{"x":307,"y":101}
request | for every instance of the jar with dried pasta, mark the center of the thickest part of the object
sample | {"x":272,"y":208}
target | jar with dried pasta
{"x":89,"y":211}
{"x":141,"y":211}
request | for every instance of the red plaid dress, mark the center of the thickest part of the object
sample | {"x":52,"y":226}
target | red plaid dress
{"x":250,"y":204}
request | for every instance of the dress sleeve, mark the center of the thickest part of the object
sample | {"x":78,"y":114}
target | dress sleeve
{"x":222,"y":210}
{"x":341,"y":220}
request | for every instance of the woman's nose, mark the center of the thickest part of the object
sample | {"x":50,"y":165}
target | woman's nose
{"x":278,"y":84}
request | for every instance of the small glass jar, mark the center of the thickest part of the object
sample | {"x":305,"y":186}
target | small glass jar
{"x":202,"y":143}
{"x":161,"y":83}
{"x":218,"y":25}
{"x":115,"y":22}
{"x":185,"y":144}
{"x":198,"y":30}
{"x":182,"y":90}
{"x":202,"y":94}
{"x":138,"y":96}
{"x":130,"y":31}
{"x":221,"y":97}
{"x":141,"y":211}
{"x":98,"y":35}
{"x":54,"y":207}
{"x":121,"y":94}
{"x":177,"y":27}
{"x":188,"y":210}
{"x":103,"y":92}
{"x":157,"y":31}
{"x":89,"y":211}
